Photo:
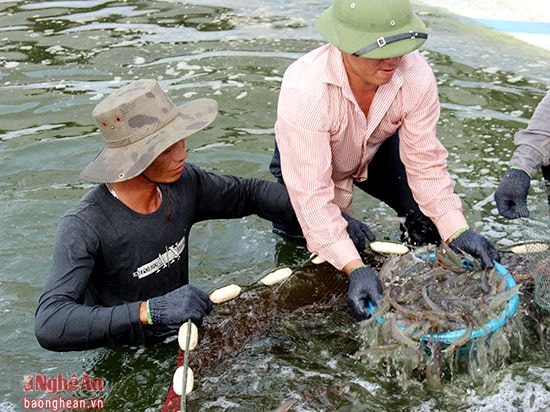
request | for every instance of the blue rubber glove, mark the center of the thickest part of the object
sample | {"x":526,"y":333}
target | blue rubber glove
{"x":179,"y":305}
{"x":476,"y":245}
{"x":364,"y":287}
{"x":511,"y":194}
{"x":358,"y":232}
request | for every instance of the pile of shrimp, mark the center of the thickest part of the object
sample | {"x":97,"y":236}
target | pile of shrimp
{"x":425,"y":296}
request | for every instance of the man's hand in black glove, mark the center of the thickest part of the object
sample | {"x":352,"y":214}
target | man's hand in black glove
{"x":179,"y":305}
{"x":476,"y":245}
{"x":358,"y":232}
{"x":511,"y":194}
{"x":364,"y":287}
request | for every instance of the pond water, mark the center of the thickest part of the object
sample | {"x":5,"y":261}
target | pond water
{"x":58,"y":59}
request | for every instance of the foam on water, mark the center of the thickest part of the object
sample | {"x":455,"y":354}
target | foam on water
{"x":221,"y":403}
{"x":530,"y":392}
{"x":8,"y":407}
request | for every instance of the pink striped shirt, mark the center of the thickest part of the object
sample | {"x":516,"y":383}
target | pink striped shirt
{"x":326,"y":142}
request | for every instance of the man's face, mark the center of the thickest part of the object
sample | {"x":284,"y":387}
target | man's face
{"x":372,"y":72}
{"x":167,"y":167}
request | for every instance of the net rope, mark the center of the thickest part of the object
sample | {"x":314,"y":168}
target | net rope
{"x":540,"y":269}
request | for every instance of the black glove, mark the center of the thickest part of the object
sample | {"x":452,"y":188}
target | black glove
{"x":364,"y":287}
{"x":511,"y":194}
{"x":476,"y":245}
{"x":176,"y":307}
{"x":358,"y":232}
{"x":419,"y":230}
{"x":546,"y":174}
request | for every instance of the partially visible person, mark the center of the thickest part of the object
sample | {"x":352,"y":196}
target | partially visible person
{"x":120,"y":263}
{"x":362,"y":111}
{"x":531,"y":154}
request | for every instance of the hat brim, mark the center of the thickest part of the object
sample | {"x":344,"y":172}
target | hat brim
{"x":350,"y":40}
{"x":117,"y":164}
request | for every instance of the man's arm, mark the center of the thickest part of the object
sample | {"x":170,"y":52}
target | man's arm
{"x":303,"y":133}
{"x":533,"y":143}
{"x":227,"y":197}
{"x":425,"y":158}
{"x":62,"y":321}
{"x":532,"y":152}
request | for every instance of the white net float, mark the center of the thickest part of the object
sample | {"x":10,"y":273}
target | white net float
{"x":193,"y":336}
{"x":389,"y":248}
{"x":276,"y":276}
{"x":177,"y":381}
{"x":225,"y":293}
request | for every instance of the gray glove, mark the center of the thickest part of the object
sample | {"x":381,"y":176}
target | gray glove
{"x":476,"y":245}
{"x":358,"y":232}
{"x":179,"y":305}
{"x":364,"y":287}
{"x":511,"y":194}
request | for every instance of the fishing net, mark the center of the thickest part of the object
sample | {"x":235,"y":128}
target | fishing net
{"x":311,"y":288}
{"x":245,"y":319}
{"x":537,"y":252}
{"x":540,"y":268}
{"x":540,"y":251}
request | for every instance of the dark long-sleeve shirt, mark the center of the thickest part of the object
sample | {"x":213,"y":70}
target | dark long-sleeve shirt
{"x":108,"y":258}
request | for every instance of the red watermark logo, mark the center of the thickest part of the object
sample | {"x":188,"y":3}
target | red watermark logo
{"x":60,"y":383}
{"x":62,"y":386}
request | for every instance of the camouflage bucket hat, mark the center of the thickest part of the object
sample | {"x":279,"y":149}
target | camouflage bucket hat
{"x":139,"y":122}
{"x":376,"y":29}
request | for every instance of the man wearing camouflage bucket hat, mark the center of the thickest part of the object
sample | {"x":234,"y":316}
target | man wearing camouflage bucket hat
{"x":362,"y":111}
{"x":120,"y":263}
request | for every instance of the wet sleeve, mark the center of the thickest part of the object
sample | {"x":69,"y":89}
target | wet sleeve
{"x":533,"y":143}
{"x":63,"y":321}
{"x":226,"y":197}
